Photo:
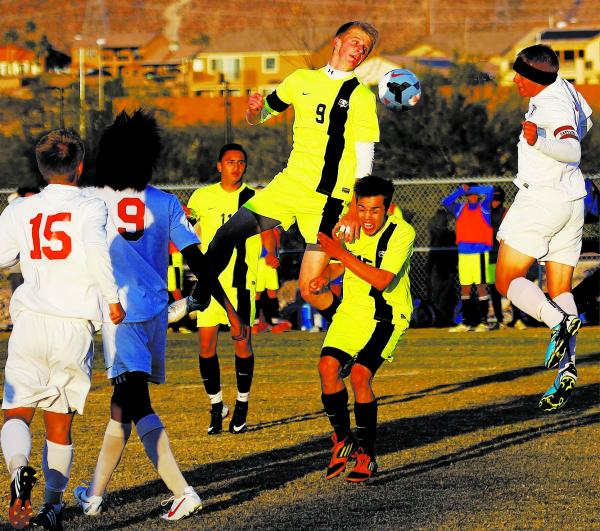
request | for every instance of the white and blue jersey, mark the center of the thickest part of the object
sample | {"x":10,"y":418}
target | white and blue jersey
{"x":140,"y":225}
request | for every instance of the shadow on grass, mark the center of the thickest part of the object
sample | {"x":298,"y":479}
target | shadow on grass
{"x":498,"y":377}
{"x":230,"y":483}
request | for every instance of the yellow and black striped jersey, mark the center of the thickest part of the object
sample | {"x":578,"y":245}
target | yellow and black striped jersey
{"x":212,"y":206}
{"x":330,"y":116}
{"x":390,"y":249}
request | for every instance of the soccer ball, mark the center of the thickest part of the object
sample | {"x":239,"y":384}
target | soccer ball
{"x":399,"y":89}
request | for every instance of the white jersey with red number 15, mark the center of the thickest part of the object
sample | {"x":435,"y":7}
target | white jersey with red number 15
{"x":49,"y":233}
{"x":139,"y":228}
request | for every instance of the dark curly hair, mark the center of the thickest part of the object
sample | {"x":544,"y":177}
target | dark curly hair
{"x":128,"y":151}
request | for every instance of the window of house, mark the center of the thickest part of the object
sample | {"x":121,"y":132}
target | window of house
{"x":580,"y":53}
{"x":198,"y":65}
{"x":230,"y":67}
{"x":270,"y":64}
{"x":569,"y":55}
{"x":589,"y":65}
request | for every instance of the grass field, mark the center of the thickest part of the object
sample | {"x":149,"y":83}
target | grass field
{"x":461,"y":442}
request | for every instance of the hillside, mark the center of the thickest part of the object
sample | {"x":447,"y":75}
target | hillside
{"x":401,"y":22}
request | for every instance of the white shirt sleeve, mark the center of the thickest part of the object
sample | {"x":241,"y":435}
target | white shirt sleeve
{"x":9,"y":249}
{"x":365,"y":153}
{"x":563,"y":150}
{"x":96,"y":249}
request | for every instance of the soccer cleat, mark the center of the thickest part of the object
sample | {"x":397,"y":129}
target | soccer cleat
{"x":179,"y":309}
{"x":280,"y":327}
{"x":48,"y":518}
{"x":519,"y":325}
{"x":19,"y":512}
{"x":461,"y":327}
{"x":481,"y":327}
{"x":340,"y":453}
{"x":364,"y":468}
{"x":561,"y":390}
{"x":217,"y":413}
{"x":91,"y":505}
{"x":187,"y":505}
{"x":559,"y":340}
{"x":238,"y":421}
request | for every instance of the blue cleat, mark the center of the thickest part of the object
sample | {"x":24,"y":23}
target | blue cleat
{"x":559,"y":340}
{"x":561,"y":390}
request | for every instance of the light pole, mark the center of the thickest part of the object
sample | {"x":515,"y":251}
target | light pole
{"x":79,"y":38}
{"x":100,"y":42}
{"x":227,"y":105}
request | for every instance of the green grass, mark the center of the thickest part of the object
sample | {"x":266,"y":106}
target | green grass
{"x":461,"y":442}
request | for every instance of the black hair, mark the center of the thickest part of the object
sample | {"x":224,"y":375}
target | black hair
{"x":24,"y":191}
{"x":540,"y":54}
{"x":499,"y":194}
{"x":59,"y":153}
{"x":372,"y":185}
{"x":128,"y":151}
{"x":367,"y":28}
{"x":232,"y":147}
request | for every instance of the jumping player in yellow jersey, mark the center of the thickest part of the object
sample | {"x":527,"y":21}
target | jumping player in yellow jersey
{"x":376,"y":308}
{"x":211,"y":206}
{"x":335,"y":128}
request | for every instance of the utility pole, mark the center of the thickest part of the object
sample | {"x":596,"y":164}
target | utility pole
{"x":227,"y":105}
{"x":79,"y":38}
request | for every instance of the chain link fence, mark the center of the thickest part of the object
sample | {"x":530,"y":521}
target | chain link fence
{"x":420,"y":203}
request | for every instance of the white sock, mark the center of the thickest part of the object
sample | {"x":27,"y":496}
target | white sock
{"x":152,"y":433}
{"x":115,"y":439}
{"x":15,"y":439}
{"x":528,"y":297}
{"x":567,"y":302}
{"x":215,"y":399}
{"x":56,"y":464}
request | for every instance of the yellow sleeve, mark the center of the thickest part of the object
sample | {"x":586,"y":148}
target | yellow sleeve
{"x":400,"y":248}
{"x":363,"y":115}
{"x":283,"y":96}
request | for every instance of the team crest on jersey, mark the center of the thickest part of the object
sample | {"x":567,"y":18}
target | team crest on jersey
{"x":343,"y":103}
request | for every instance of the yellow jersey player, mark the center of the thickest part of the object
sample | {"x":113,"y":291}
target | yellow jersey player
{"x":335,"y":128}
{"x":376,"y":308}
{"x":211,"y":207}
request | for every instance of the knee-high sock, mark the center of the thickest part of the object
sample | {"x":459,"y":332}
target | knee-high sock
{"x":567,"y":302}
{"x":56,"y":464}
{"x":366,"y":425}
{"x":483,"y":308}
{"x":336,"y":409}
{"x":531,"y":299}
{"x":152,"y":433}
{"x":115,"y":439}
{"x":244,"y":369}
{"x":467,"y":310}
{"x":211,"y":375}
{"x":15,"y":439}
{"x":271,"y":310}
{"x":496,"y":303}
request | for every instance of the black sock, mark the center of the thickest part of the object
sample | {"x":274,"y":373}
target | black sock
{"x":327,"y":313}
{"x":244,"y":369}
{"x":484,"y":305}
{"x":467,"y":311}
{"x":210,"y":374}
{"x":271,"y":310}
{"x":336,"y":408}
{"x":366,"y":425}
{"x":497,"y":303}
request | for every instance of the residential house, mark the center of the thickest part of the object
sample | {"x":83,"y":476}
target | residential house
{"x":16,"y":63}
{"x":250,"y":61}
{"x":578,"y":50}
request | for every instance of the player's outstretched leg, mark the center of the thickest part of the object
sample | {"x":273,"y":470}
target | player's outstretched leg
{"x":244,"y":371}
{"x":48,"y":518}
{"x":560,"y":336}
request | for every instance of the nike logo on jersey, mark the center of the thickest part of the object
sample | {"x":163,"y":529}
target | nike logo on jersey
{"x":381,"y":254}
{"x":305,"y":93}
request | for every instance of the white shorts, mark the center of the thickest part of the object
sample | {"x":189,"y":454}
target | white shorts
{"x":546,"y":231}
{"x":49,"y":363}
{"x":130,"y":347}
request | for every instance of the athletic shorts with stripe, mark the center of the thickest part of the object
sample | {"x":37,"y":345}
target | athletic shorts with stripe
{"x":473,"y":268}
